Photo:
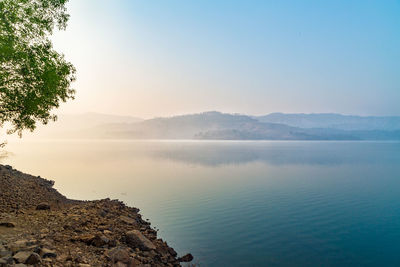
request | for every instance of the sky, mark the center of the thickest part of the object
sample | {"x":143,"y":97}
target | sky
{"x":161,"y":58}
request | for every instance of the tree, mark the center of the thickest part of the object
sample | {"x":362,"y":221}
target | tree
{"x":34,"y":78}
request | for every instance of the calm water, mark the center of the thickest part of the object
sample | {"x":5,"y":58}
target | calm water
{"x":242,"y":203}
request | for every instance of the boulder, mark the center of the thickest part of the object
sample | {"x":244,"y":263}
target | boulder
{"x":120,"y":264}
{"x":7,"y":224}
{"x":22,"y":256}
{"x":47,"y":253}
{"x":20,"y":244}
{"x":6,"y":261}
{"x":172,"y":252}
{"x":187,"y":258}
{"x":127,"y":220}
{"x":136,"y":239}
{"x":43,"y":206}
{"x":119,"y":254}
{"x":5,"y":253}
{"x":33,"y":259}
{"x":87,"y":239}
{"x":99,"y":241}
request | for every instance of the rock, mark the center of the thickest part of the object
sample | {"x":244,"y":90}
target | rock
{"x":119,"y":254}
{"x":5,"y":253}
{"x":120,"y":264}
{"x":22,"y":256}
{"x":112,"y":243}
{"x":8,"y":259}
{"x":187,"y":258}
{"x":7,"y":224}
{"x":43,"y":206}
{"x":103,"y":213}
{"x":34,"y":258}
{"x":48,"y":261}
{"x":99,"y":241}
{"x":19,"y":244}
{"x":136,"y":239}
{"x":87,"y":239}
{"x":47,"y":253}
{"x":172,"y":252}
{"x":127,"y":220}
{"x":20,"y":265}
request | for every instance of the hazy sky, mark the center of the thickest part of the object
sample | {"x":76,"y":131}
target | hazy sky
{"x":157,"y":58}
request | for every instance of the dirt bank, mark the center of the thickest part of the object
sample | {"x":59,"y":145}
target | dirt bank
{"x":41,"y":227}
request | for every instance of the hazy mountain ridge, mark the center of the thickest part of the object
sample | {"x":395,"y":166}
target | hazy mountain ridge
{"x":221,"y":126}
{"x":334,"y":121}
{"x":215,"y":125}
{"x":177,"y":127}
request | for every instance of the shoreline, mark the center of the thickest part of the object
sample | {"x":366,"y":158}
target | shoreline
{"x":41,"y":227}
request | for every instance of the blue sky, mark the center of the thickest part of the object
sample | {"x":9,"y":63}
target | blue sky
{"x":160,"y":58}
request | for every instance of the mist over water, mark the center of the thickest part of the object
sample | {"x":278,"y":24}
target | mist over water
{"x":247,"y":203}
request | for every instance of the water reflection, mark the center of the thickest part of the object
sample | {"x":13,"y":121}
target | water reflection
{"x":217,"y":153}
{"x":274,"y":153}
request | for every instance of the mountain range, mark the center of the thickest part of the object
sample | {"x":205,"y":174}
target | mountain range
{"x":215,"y":125}
{"x":333,"y":121}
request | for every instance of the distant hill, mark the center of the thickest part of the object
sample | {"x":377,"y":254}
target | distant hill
{"x":221,"y":126}
{"x":215,"y":125}
{"x":177,"y":127}
{"x":333,"y":121}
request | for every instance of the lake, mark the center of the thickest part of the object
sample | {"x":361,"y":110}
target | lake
{"x":241,"y":203}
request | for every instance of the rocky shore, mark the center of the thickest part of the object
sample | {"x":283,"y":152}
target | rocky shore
{"x":41,"y":227}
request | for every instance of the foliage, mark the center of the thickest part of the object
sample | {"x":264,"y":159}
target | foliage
{"x":34,"y":78}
